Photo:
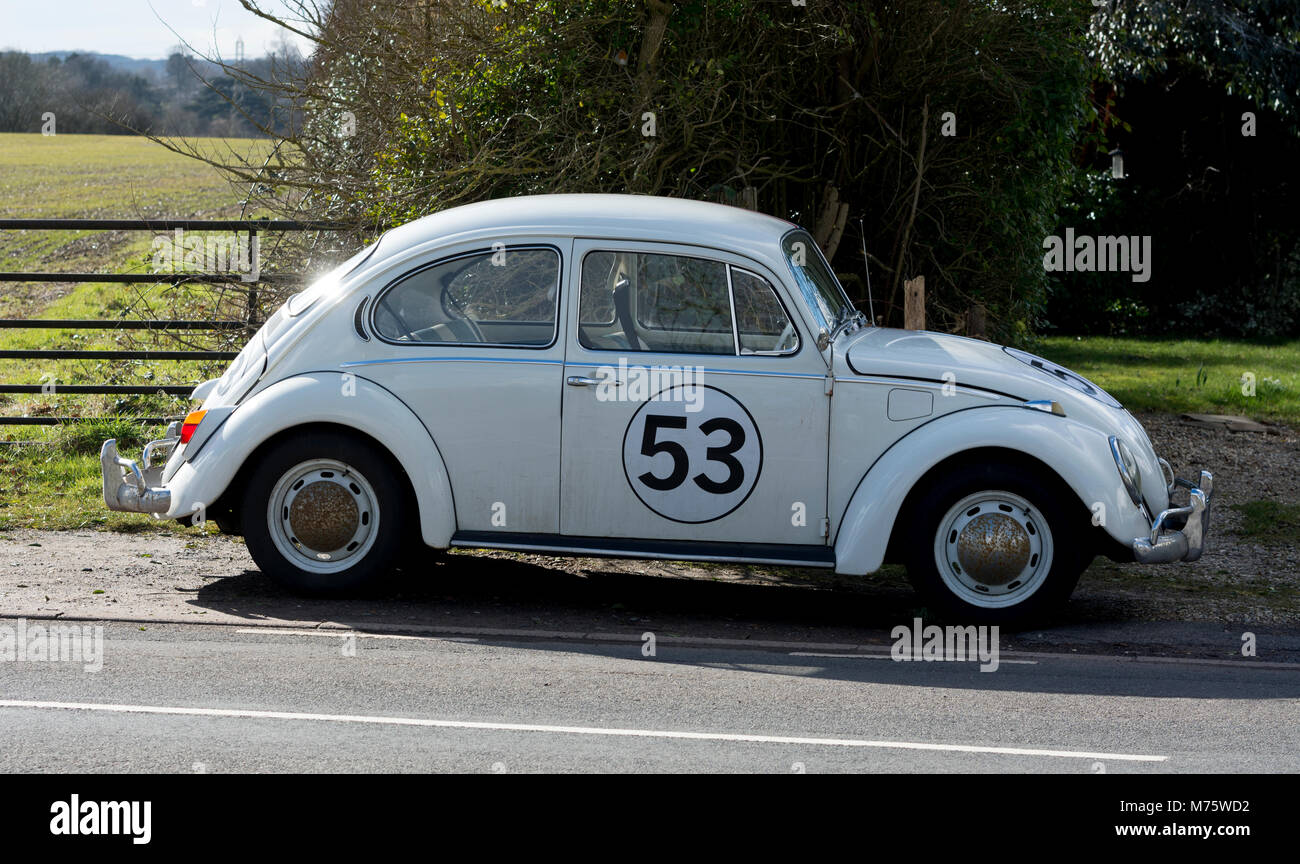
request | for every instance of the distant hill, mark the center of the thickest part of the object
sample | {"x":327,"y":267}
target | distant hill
{"x":94,"y":93}
{"x":152,"y":69}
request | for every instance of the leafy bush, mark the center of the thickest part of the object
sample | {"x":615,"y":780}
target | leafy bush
{"x":946,"y":127}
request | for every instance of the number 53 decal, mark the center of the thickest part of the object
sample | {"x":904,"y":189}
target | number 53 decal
{"x":692,"y":466}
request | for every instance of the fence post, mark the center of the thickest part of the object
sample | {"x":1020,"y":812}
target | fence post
{"x":914,"y":304}
{"x":252,"y":310}
{"x":254,"y":251}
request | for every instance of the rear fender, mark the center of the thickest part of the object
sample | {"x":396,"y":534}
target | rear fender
{"x":321,"y":397}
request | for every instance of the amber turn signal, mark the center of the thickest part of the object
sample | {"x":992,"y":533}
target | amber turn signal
{"x":192,"y":421}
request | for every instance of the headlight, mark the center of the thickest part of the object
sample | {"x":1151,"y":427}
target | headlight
{"x":1128,"y":468}
{"x":1064,"y":376}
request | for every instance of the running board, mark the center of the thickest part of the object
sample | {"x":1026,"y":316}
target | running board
{"x":789,"y":555}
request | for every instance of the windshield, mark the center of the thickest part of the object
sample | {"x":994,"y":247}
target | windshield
{"x":820,"y":289}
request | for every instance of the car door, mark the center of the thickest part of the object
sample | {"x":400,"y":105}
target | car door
{"x":474,"y":346}
{"x":695,"y":405}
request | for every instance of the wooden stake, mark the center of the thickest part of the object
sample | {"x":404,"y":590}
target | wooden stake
{"x":914,"y":303}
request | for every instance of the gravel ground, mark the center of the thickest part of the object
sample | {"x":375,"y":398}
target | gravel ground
{"x":1237,"y":577}
{"x":1238,"y":584}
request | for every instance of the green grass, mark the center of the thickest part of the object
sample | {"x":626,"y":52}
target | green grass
{"x":113,"y":176}
{"x":101,"y":176}
{"x":1270,"y":521}
{"x":57,"y":485}
{"x":1182,"y":375}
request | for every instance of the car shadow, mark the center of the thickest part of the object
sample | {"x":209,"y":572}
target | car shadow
{"x":1066,"y":675}
{"x":610,"y":601}
{"x":513,"y":593}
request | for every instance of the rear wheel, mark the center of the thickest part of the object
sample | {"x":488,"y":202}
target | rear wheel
{"x":323,"y":513}
{"x":995,"y":544}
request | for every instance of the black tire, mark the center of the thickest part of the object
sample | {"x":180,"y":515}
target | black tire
{"x":1046,"y":590}
{"x":380,"y":500}
{"x":229,"y":524}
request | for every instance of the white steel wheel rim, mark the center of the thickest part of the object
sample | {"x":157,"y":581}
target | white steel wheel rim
{"x":323,"y":516}
{"x":993,"y":549}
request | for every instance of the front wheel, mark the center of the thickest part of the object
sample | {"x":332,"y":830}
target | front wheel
{"x":994,"y":544}
{"x":324,"y":514}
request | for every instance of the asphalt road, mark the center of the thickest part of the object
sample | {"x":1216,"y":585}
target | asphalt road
{"x":192,"y":698}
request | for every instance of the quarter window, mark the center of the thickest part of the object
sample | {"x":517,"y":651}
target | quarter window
{"x":596,"y":306}
{"x":505,"y":296}
{"x":816,"y":281}
{"x":762,"y":327}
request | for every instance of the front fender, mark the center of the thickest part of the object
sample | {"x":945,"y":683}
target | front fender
{"x":321,"y":397}
{"x":1079,"y":453}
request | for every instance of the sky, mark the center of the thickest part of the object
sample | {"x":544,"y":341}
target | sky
{"x":138,"y":28}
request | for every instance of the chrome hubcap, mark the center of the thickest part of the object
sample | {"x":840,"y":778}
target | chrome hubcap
{"x":993,"y":549}
{"x":323,"y":515}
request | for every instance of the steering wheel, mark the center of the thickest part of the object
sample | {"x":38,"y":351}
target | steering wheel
{"x":455,"y":310}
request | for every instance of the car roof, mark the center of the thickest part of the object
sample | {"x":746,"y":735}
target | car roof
{"x":634,"y":217}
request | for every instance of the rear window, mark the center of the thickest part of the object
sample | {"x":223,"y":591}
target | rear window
{"x":505,"y":296}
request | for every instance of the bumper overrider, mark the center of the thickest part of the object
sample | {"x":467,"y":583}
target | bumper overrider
{"x":134,"y":488}
{"x":1178,"y":534}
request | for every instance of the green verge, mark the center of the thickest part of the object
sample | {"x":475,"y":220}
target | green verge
{"x":54,"y":482}
{"x":1175,"y":376}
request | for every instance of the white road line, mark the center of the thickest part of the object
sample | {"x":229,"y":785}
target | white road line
{"x":338,"y":634}
{"x":575,"y":730}
{"x":890,"y":657}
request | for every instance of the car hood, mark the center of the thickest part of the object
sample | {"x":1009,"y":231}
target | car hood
{"x":940,"y":357}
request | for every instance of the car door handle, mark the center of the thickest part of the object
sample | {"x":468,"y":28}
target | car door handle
{"x":584,"y":381}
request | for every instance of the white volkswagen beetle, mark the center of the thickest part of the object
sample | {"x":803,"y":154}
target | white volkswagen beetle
{"x":654,"y":378}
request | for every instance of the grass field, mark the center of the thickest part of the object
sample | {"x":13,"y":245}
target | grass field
{"x":56,"y":484}
{"x":1179,"y":376}
{"x":99,"y":176}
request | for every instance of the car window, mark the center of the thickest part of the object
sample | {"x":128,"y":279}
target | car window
{"x":762,"y":326}
{"x":816,"y":281}
{"x":663,"y":303}
{"x":596,"y":304}
{"x":505,"y":296}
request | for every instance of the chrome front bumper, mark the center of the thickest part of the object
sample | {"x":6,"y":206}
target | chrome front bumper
{"x":132,"y":488}
{"x":1178,"y":534}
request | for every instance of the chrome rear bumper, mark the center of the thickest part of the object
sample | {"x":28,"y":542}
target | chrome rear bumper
{"x":1178,"y":534}
{"x":132,"y":488}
